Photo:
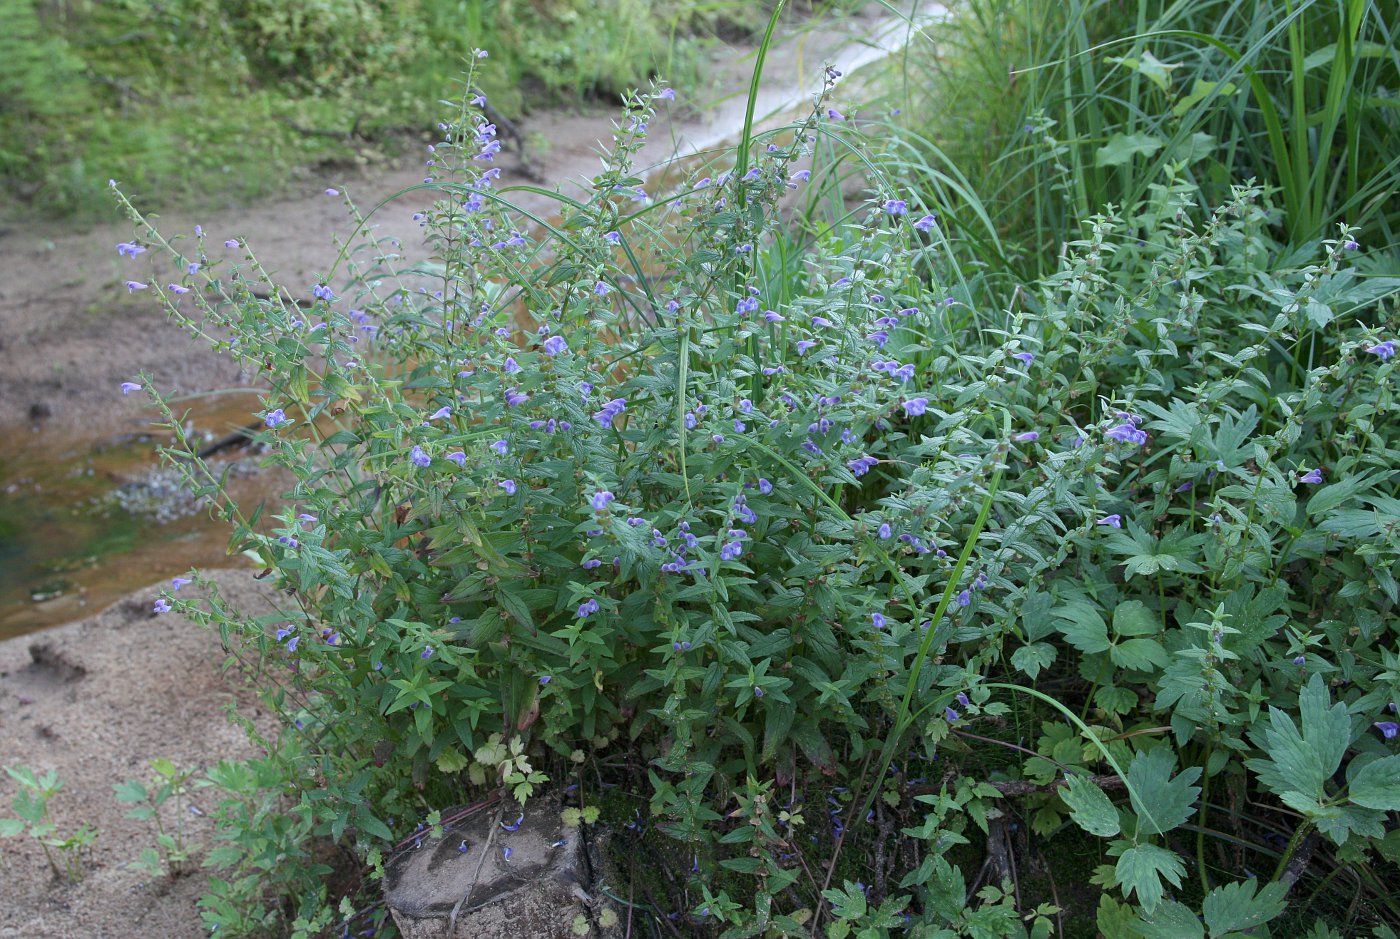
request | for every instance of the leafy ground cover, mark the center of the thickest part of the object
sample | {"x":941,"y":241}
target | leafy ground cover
{"x":165,"y":96}
{"x":872,"y":575}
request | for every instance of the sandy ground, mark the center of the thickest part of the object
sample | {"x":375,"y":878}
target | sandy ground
{"x":95,"y":700}
{"x":104,"y":695}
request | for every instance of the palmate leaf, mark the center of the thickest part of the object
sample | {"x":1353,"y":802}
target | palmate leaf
{"x":1302,"y":761}
{"x":1141,"y":869}
{"x":1236,"y":907}
{"x":1161,"y":801}
{"x":1090,"y":807}
{"x":1377,"y":786}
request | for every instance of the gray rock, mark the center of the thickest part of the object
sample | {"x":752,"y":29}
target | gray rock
{"x":530,"y":883}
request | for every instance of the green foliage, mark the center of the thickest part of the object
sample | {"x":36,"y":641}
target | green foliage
{"x":171,"y":784}
{"x":790,"y":505}
{"x":31,"y":805}
{"x":165,"y":96}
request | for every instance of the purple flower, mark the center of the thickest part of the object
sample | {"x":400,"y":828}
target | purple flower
{"x":1025,"y":357}
{"x":961,"y":698}
{"x":601,"y":498}
{"x":193,"y":267}
{"x":177,"y":289}
{"x":1388,"y":729}
{"x":1112,"y":521}
{"x":878,"y":620}
{"x":162,"y":605}
{"x":1300,"y":660}
{"x":862,"y":465}
{"x":926,"y":223}
{"x":950,"y":714}
{"x":915,"y":406}
{"x":885,"y":530}
{"x":129,"y":386}
{"x":178,"y":582}
{"x":332,"y":192}
{"x":555,"y":345}
{"x":458,"y":457}
{"x":502,"y":447}
{"x":965,"y":598}
{"x":731,"y":550}
{"x":587,"y":608}
{"x":292,"y":643}
{"x":515,"y":398}
{"x":134,"y":285}
{"x":605,"y":415}
{"x":1029,"y":436}
{"x":591,"y":564}
{"x":1351,"y":245}
{"x":764,"y":486}
{"x":1383,"y":349}
{"x":276,"y":418}
{"x":835,"y":115}
{"x":879,"y":337}
{"x":1126,"y":433}
{"x":896,"y":207}
{"x":231,"y":243}
{"x":427,"y":652}
{"x":1313,"y":476}
{"x":508,"y":485}
{"x":129,"y":250}
{"x":903,"y":373}
{"x":601,"y":289}
{"x":774,"y":317}
{"x":322,"y":292}
{"x":511,"y":366}
{"x":441,"y":413}
{"x":419,"y":458}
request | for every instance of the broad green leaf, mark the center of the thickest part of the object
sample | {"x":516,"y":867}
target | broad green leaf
{"x":1149,"y":67}
{"x":9,"y":827}
{"x":1034,"y":657}
{"x":1133,"y":618}
{"x":1141,"y":869}
{"x":1377,"y":786}
{"x":1161,"y":801}
{"x":1121,"y":148}
{"x":1139,"y":654}
{"x":130,"y":791}
{"x":1199,"y":90}
{"x":1170,"y":920}
{"x":1302,"y":761}
{"x":1082,"y":626}
{"x":1236,"y":907}
{"x":1090,"y":807}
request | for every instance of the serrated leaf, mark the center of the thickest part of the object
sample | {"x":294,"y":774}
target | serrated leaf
{"x":9,"y":827}
{"x":1082,"y":626}
{"x":1377,"y":786}
{"x":1089,"y":807}
{"x":1236,"y":907}
{"x":1142,"y":868}
{"x":1139,"y":654}
{"x":1034,"y":657}
{"x":1133,"y":618}
{"x":1161,"y":801}
{"x":1170,"y":920}
{"x":130,"y":791}
{"x":451,"y":760}
{"x":1303,"y":760}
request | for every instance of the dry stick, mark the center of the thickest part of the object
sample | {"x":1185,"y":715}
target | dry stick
{"x":476,"y":877}
{"x":836,"y":850}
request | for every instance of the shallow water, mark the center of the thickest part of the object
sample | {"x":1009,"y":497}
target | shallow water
{"x":82,"y":523}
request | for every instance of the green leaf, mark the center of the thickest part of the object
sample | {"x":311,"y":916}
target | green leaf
{"x":1133,"y":618}
{"x":1121,"y":148}
{"x":1139,"y":654}
{"x":1377,"y":786}
{"x":9,"y":827}
{"x":1034,"y":657}
{"x":1302,"y":761}
{"x":130,"y":791}
{"x":1161,"y":801}
{"x":1141,"y":869}
{"x":1090,"y":807}
{"x":1082,"y":626}
{"x":1170,"y":920}
{"x":1149,"y":67}
{"x":1236,"y":907}
{"x":1199,"y":90}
